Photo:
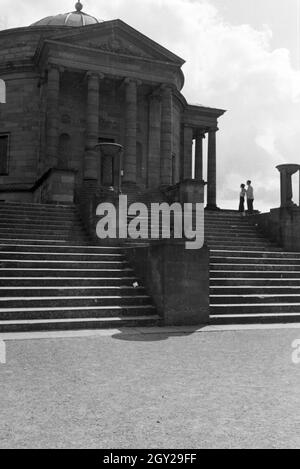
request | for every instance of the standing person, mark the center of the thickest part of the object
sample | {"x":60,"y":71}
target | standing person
{"x":242,"y":200}
{"x":250,"y":197}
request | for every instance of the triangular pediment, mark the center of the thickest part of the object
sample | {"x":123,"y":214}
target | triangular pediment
{"x":117,"y":37}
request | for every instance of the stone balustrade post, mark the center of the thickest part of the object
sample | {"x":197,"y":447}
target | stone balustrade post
{"x":286,"y":188}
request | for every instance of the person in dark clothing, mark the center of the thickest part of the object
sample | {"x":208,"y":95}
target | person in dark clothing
{"x":242,"y":200}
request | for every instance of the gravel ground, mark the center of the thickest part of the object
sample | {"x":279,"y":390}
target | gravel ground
{"x":230,"y":389}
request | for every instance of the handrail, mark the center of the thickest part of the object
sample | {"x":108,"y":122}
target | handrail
{"x":27,"y":187}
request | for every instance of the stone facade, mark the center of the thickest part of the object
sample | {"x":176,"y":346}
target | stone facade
{"x":69,"y":88}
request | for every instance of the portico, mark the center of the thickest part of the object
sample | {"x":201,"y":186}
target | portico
{"x":107,"y":82}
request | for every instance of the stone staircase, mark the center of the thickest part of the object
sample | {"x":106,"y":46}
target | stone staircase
{"x":51,"y":277}
{"x":251,"y":279}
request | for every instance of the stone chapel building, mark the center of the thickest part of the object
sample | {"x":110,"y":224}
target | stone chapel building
{"x":74,"y":81}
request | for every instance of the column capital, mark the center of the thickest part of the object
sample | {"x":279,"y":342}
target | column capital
{"x":93,"y":74}
{"x":129,"y":80}
{"x":213,"y":129}
{"x":166,"y":88}
{"x":200,"y":133}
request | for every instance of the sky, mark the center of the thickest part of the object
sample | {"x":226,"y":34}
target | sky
{"x":241,"y":55}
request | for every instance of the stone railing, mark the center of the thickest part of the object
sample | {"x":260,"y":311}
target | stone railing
{"x":55,"y":186}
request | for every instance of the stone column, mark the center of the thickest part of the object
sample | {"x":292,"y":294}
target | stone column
{"x":286,"y":187}
{"x":166,"y":136}
{"x":91,"y":157}
{"x":200,"y":135}
{"x":188,"y":152}
{"x":212,"y":170}
{"x":153,"y":175}
{"x":130,"y":130}
{"x":52,"y":120}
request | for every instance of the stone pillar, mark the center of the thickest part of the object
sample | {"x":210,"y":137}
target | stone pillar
{"x":52,"y":117}
{"x":286,"y":187}
{"x":153,"y":175}
{"x":92,"y":128}
{"x":200,"y":135}
{"x":166,"y":136}
{"x":130,"y":130}
{"x":212,"y":170}
{"x":187,"y":152}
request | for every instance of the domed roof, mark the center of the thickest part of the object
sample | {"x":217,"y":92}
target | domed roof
{"x":74,"y":18}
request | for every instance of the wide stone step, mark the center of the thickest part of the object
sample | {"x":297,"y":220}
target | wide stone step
{"x":232,"y":290}
{"x":255,"y":260}
{"x":55,"y":272}
{"x":228,"y":224}
{"x":257,"y":318}
{"x":265,"y":247}
{"x":82,"y":282}
{"x":27,"y":240}
{"x":61,"y":257}
{"x":62,"y":249}
{"x":38,"y":205}
{"x":37,"y":217}
{"x":79,"y":324}
{"x":215,"y":242}
{"x":33,"y":231}
{"x":73,"y":312}
{"x":252,"y":298}
{"x":63,"y":264}
{"x":41,"y":236}
{"x":266,"y":267}
{"x":254,"y":282}
{"x":255,"y":254}
{"x":257,"y":308}
{"x":72,"y":291}
{"x":236,"y":232}
{"x":39,"y":225}
{"x":235,"y":239}
{"x":7,"y":304}
{"x":38,"y":208}
{"x":248,"y":274}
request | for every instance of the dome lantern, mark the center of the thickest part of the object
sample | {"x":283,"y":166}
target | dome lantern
{"x":75,"y":18}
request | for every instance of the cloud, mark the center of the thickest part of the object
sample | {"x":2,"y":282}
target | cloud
{"x":228,"y":66}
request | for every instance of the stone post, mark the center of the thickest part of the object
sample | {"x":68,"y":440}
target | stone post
{"x":200,"y":136}
{"x":212,"y":170}
{"x":166,"y":136}
{"x":154,"y":140}
{"x":286,"y":188}
{"x":188,"y":152}
{"x":52,"y":117}
{"x":131,"y":130}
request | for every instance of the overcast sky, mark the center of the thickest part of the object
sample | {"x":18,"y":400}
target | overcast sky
{"x":242,"y":55}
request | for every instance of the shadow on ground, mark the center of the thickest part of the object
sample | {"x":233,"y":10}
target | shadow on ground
{"x":155,"y":334}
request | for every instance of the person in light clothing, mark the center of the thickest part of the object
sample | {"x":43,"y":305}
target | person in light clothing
{"x":250,"y":197}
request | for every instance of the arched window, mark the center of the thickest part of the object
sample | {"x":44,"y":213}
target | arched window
{"x":2,"y":91}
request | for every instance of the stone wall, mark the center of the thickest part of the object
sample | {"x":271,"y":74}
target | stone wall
{"x":281,"y":225}
{"x":176,"y":278}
